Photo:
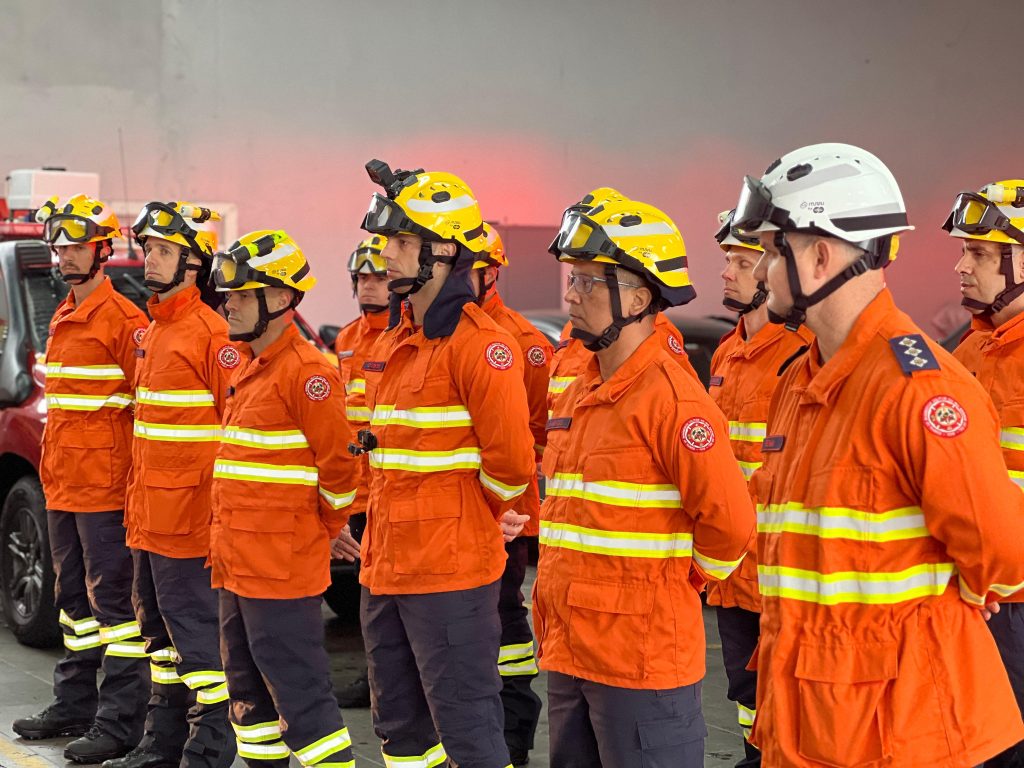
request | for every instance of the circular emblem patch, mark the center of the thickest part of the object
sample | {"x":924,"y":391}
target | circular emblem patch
{"x":137,"y":335}
{"x":944,"y":416}
{"x":318,"y":388}
{"x":535,"y":355}
{"x":675,"y":346}
{"x":228,"y":357}
{"x":498,"y":355}
{"x":697,"y":435}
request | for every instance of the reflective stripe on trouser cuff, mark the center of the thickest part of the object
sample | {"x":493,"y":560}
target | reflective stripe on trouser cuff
{"x":127,"y":649}
{"x":203,"y":678}
{"x":616,"y":543}
{"x":874,"y":588}
{"x":432,"y":757}
{"x":169,"y":654}
{"x":273,"y":750}
{"x":83,"y":643}
{"x":335,"y":764}
{"x":79,"y":626}
{"x":500,"y":489}
{"x":517,"y":659}
{"x":324,"y":747}
{"x":126,"y":631}
{"x":164,"y":675}
{"x":746,"y":718}
{"x":258,"y":732}
{"x":212,"y":695}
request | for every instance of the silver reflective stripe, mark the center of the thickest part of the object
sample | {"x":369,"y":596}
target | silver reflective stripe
{"x":272,"y":440}
{"x":615,"y":543}
{"x":94,"y":372}
{"x":1012,"y":438}
{"x":751,"y":431}
{"x":614,"y":492}
{"x":842,"y":523}
{"x":874,"y":588}
{"x":175,"y":398}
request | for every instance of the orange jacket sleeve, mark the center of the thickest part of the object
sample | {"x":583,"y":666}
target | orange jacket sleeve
{"x":125,"y":340}
{"x":489,"y":378}
{"x":946,"y":431}
{"x":692,"y":444}
{"x":221,"y":362}
{"x":536,"y":375}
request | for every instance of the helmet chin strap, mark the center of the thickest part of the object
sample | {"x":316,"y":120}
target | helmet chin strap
{"x":372,"y":309}
{"x":427,"y":260}
{"x":760,"y":296}
{"x":481,"y":295}
{"x":78,"y":278}
{"x":265,"y":316}
{"x":603,"y":340}
{"x":158,"y":286}
{"x":1012,"y":290}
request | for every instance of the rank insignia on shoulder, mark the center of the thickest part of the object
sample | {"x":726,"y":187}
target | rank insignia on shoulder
{"x":913,"y":354}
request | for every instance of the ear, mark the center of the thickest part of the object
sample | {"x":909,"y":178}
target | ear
{"x":642,"y":298}
{"x":824,"y":252}
{"x":279,"y":299}
{"x":1018,"y":262}
{"x":443,"y":249}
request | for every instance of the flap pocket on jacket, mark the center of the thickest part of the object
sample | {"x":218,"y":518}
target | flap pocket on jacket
{"x":171,"y":501}
{"x":425,"y":509}
{"x":612,"y":598}
{"x":629,"y":464}
{"x":851,"y":487}
{"x":608,"y":627}
{"x":261,"y":520}
{"x":424,"y":533}
{"x":87,"y":438}
{"x":849,"y":664}
{"x":259,"y":543}
{"x":173,"y":478}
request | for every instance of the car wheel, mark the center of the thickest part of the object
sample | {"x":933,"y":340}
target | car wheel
{"x":26,"y":569}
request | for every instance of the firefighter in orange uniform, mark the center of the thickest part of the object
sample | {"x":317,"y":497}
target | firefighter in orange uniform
{"x":991,"y":269}
{"x":886,"y":520}
{"x":86,"y":452}
{"x":517,"y":664}
{"x":185,"y":360}
{"x":644,"y":503}
{"x":370,"y":287}
{"x":283,"y":483}
{"x":573,"y":353}
{"x":450,"y":452}
{"x":744,"y":372}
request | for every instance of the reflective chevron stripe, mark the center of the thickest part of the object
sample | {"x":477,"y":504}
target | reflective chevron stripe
{"x":336,"y":500}
{"x":500,"y":489}
{"x":748,"y":468}
{"x":719,"y":569}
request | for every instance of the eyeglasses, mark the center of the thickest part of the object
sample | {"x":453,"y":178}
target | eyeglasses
{"x":584,"y":284}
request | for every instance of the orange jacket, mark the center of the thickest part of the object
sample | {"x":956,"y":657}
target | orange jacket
{"x":644,"y":501}
{"x":571,"y":357}
{"x":885,"y":518}
{"x":180,"y":384}
{"x":536,"y":360}
{"x":454,"y":453}
{"x":352,"y":346}
{"x":744,"y":373}
{"x":283,"y":479}
{"x":90,"y":361}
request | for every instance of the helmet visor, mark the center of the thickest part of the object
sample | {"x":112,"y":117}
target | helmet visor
{"x":745,"y":238}
{"x":976,"y":215}
{"x":368,"y":261}
{"x":76,"y":229}
{"x":754,"y":208}
{"x":163,"y":220}
{"x":232,"y":270}
{"x":581,"y":238}
{"x":386,"y":217}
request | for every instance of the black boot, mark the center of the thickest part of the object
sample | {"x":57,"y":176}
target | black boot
{"x":519,"y":757}
{"x":356,"y":695}
{"x":95,"y":747}
{"x":141,"y":758}
{"x":50,"y":724}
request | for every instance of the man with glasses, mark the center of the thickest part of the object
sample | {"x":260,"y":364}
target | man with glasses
{"x":990,"y":226}
{"x":645,"y":503}
{"x":86,"y":454}
{"x":887,"y":526}
{"x":450,"y":452}
{"x":185,"y":360}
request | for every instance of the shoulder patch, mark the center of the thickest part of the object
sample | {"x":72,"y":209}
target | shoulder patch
{"x":137,"y":335}
{"x":228,"y":357}
{"x":674,"y":345}
{"x":499,"y":355}
{"x":913,"y":354}
{"x":944,"y":416}
{"x":317,"y":388}
{"x":536,"y":356}
{"x":697,"y":434}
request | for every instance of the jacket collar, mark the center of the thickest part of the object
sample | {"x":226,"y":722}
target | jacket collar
{"x":175,"y":307}
{"x":600,"y":391}
{"x":80,"y":313}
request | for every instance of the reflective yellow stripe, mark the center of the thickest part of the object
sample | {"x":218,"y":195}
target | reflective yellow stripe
{"x":121,"y":632}
{"x":558,"y":384}
{"x":422,"y":418}
{"x":517,"y":668}
{"x":81,"y":626}
{"x":1012,"y":438}
{"x":500,"y":489}
{"x":617,"y":493}
{"x":876,"y":588}
{"x":175,"y":398}
{"x":425,"y":461}
{"x":515,"y":651}
{"x":202,"y":678}
{"x":745,"y":716}
{"x":334,"y":764}
{"x":83,"y":642}
{"x":357,"y":414}
{"x":127,"y":650}
{"x":748,"y":468}
{"x":1003,"y":590}
{"x":749,"y":431}
{"x":164,"y":675}
{"x":356,"y":387}
{"x":719,"y":569}
{"x":616,"y":543}
{"x":166,"y":654}
{"x":256,"y":438}
{"x":276,"y":750}
{"x":432,"y":757}
{"x":328,"y":745}
{"x":289,"y":474}
{"x":86,"y":402}
{"x":92,"y":372}
{"x":258,"y":732}
{"x":213,"y":695}
{"x":1017,"y":477}
{"x":177,"y":433}
{"x":842,"y":523}
{"x":338,"y":501}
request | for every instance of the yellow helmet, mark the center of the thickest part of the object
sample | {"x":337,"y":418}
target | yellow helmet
{"x":262,"y":259}
{"x":367,"y":259}
{"x":995,"y":213}
{"x":439,"y":207}
{"x":179,"y":222}
{"x":732,"y":236}
{"x":80,"y":220}
{"x":635,"y":236}
{"x":494,"y":253}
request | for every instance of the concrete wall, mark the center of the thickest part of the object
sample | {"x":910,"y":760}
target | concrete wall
{"x":276,"y":106}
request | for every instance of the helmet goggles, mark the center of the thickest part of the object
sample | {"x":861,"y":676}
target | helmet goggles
{"x":754,"y":208}
{"x":386,"y":217}
{"x":76,"y":229}
{"x":236,"y":267}
{"x":974,"y":214}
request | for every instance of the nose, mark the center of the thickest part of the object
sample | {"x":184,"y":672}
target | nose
{"x":962,"y":267}
{"x":572,"y":296}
